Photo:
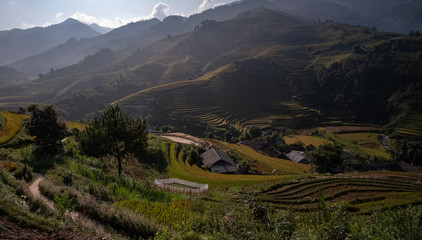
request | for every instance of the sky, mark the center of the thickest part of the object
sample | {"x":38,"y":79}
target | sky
{"x":108,"y":13}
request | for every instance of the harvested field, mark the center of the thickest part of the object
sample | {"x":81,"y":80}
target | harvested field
{"x":363,"y":193}
{"x":305,"y":140}
{"x":341,"y":129}
{"x":187,"y":139}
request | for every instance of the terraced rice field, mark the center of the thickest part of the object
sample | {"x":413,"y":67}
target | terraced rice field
{"x":13,"y":126}
{"x":363,"y":193}
{"x":265,"y":164}
{"x":218,"y":101}
{"x":306,"y":140}
{"x":411,"y":125}
{"x":179,"y":167}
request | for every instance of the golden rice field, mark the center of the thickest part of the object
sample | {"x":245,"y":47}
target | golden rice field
{"x":77,"y":125}
{"x":13,"y":126}
{"x":180,"y":168}
{"x":264,"y":163}
{"x":368,"y":143}
{"x":305,"y":140}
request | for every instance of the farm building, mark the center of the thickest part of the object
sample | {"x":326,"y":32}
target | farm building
{"x":298,"y":157}
{"x":218,"y":161}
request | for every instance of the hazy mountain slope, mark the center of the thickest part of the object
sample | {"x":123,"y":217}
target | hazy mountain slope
{"x":17,"y":43}
{"x":391,"y":15}
{"x":10,"y":76}
{"x":100,"y":29}
{"x":262,"y":68}
{"x":75,"y":50}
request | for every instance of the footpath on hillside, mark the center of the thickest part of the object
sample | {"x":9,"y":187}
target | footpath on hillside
{"x":72,"y":215}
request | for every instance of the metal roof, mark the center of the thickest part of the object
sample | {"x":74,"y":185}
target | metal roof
{"x":212,"y":156}
{"x":296,"y":156}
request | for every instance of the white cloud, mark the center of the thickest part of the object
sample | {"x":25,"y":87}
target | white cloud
{"x":206,"y":4}
{"x":160,"y":11}
{"x":82,"y":17}
{"x":26,"y":25}
{"x":59,"y":15}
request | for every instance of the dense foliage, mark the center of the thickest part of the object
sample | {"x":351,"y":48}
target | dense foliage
{"x":115,"y":134}
{"x":360,"y":85}
{"x":48,"y":127}
{"x":326,"y":157}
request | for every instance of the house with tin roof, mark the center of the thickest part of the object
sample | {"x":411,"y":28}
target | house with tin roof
{"x":298,"y":157}
{"x":218,"y":161}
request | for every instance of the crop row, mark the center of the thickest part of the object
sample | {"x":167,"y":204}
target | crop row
{"x":179,"y":167}
{"x":305,"y":185}
{"x":208,"y":102}
{"x":305,"y":194}
{"x":312,"y":190}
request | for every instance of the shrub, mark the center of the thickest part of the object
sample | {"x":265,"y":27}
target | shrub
{"x":67,"y":178}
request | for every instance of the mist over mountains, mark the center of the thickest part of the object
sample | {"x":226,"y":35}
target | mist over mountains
{"x":33,"y":59}
{"x":17,"y":43}
{"x":239,"y":64}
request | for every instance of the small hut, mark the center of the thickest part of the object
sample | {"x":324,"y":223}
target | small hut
{"x":218,"y":161}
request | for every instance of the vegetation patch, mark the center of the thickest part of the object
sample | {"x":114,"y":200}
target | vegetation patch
{"x":171,"y":214}
{"x":365,"y":194}
{"x":12,"y":128}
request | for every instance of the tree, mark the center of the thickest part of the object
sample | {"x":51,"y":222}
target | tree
{"x":325,"y":157}
{"x":48,"y":127}
{"x":115,"y":134}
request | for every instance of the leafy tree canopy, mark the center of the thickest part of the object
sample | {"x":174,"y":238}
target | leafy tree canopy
{"x":115,"y":134}
{"x":326,"y":157}
{"x":48,"y":127}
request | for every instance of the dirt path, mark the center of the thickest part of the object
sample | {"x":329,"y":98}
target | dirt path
{"x":35,"y":190}
{"x":75,"y":217}
{"x":187,"y":139}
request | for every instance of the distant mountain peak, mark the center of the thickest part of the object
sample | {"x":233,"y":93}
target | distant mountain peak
{"x":100,"y":29}
{"x":70,"y":21}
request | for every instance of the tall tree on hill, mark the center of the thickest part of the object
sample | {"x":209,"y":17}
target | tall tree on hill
{"x":326,"y":157}
{"x":115,"y":134}
{"x":48,"y":128}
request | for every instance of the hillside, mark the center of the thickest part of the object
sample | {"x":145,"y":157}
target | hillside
{"x":17,"y":43}
{"x":10,"y":76}
{"x":263,"y":68}
{"x":81,"y":197}
{"x":395,"y":15}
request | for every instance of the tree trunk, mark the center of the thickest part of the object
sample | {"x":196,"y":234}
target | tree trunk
{"x":119,"y":159}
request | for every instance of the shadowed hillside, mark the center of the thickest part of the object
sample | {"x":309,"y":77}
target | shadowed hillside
{"x":263,"y":68}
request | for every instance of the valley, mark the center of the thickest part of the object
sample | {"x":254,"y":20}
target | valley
{"x":251,"y":119}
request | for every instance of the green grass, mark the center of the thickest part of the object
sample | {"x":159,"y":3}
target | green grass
{"x":264,"y":163}
{"x":124,"y":187}
{"x":180,"y":168}
{"x":359,"y":143}
{"x":20,"y":208}
{"x":171,"y":214}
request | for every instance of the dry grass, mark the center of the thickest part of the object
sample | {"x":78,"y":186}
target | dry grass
{"x":305,"y":140}
{"x":13,"y":126}
{"x":77,"y":125}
